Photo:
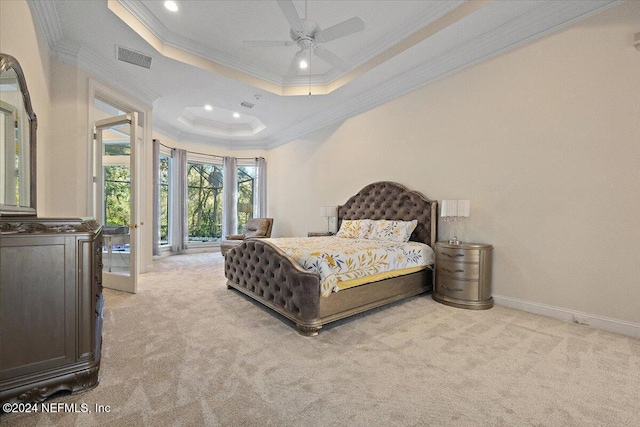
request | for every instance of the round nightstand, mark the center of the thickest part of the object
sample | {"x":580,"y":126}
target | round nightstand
{"x":463,"y":275}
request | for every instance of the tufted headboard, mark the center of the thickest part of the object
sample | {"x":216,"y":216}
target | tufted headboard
{"x":389,"y":200}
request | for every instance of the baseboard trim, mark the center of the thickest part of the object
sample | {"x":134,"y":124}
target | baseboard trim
{"x":599,"y":322}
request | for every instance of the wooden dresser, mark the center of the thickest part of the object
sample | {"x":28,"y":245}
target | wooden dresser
{"x":50,"y":307}
{"x":463,"y":275}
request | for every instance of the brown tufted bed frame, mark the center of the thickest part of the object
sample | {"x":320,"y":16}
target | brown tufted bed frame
{"x":265,"y":273}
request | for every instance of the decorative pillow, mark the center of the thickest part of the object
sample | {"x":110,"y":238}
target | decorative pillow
{"x":394,"y":231}
{"x":354,"y":228}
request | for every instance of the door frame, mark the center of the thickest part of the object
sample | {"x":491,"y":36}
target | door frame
{"x":127,"y":283}
{"x":145,"y":196}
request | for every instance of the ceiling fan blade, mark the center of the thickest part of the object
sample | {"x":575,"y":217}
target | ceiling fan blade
{"x":295,"y":64}
{"x":267,"y":43}
{"x":290,"y":12}
{"x":342,"y":29}
{"x":331,"y":58}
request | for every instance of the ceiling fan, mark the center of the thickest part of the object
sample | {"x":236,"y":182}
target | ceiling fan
{"x":308,"y":35}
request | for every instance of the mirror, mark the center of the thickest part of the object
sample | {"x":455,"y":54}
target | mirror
{"x":17,"y":141}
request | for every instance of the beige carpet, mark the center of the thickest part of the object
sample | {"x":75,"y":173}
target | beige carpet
{"x":187,"y":351}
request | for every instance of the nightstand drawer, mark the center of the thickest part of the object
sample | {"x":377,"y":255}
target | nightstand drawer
{"x":459,"y":289}
{"x":457,"y":255}
{"x":458,"y":270}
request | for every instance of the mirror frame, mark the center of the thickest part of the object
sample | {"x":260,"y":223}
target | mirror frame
{"x":9,"y":62}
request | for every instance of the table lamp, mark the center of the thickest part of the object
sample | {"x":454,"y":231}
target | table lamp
{"x":329,"y":212}
{"x":455,"y":211}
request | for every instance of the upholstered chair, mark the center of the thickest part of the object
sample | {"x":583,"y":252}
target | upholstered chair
{"x":255,"y":227}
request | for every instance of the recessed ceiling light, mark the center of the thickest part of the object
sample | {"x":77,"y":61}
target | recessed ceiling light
{"x":171,"y":5}
{"x":236,"y":115}
{"x":208,"y":107}
{"x":303,"y":64}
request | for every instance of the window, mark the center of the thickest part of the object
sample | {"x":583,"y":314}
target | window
{"x":116,"y":178}
{"x":204,"y":202}
{"x":117,"y":193}
{"x":246,"y":180}
{"x":164,"y":177}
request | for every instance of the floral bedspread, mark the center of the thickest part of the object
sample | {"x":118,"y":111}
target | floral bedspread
{"x":339,"y":261}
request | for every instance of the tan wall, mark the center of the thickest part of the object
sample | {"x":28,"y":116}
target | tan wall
{"x":545,"y":142}
{"x":68,"y":186}
{"x":19,"y":39}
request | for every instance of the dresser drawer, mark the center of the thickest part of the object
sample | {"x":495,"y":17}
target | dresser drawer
{"x":458,"y":270}
{"x":457,"y":255}
{"x":456,"y":288}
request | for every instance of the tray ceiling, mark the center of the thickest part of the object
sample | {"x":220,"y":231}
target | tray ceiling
{"x":198,"y":56}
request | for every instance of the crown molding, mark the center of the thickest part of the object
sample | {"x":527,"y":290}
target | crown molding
{"x":141,"y":13}
{"x":103,"y":69}
{"x":404,"y":30}
{"x":389,"y":39}
{"x":166,"y":130}
{"x":135,"y":14}
{"x":180,"y":136}
{"x":72,"y":53}
{"x":46,"y":17}
{"x":516,"y":32}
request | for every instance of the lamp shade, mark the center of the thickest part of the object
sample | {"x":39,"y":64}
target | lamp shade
{"x":464,"y":208}
{"x":455,"y":208}
{"x":449,"y":208}
{"x":328,"y":211}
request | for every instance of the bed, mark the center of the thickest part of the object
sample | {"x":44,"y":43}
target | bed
{"x":263,"y":271}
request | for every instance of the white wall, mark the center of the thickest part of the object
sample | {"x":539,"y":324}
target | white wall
{"x":545,"y":141}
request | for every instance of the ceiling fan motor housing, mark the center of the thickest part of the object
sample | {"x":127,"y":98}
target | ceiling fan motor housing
{"x":305,"y":38}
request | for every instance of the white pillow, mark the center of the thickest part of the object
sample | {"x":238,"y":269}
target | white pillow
{"x":394,"y":231}
{"x":354,"y":228}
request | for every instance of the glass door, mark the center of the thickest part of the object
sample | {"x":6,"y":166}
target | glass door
{"x":116,"y":191}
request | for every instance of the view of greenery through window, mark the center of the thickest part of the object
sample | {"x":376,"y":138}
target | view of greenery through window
{"x":204,"y":183}
{"x":246,"y":175}
{"x":117,"y":187}
{"x":204,"y":202}
{"x":164,"y":199}
{"x":204,"y":196}
{"x":117,"y":194}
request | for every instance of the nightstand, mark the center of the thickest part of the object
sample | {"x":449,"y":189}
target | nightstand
{"x":463,"y":275}
{"x":320,"y":233}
